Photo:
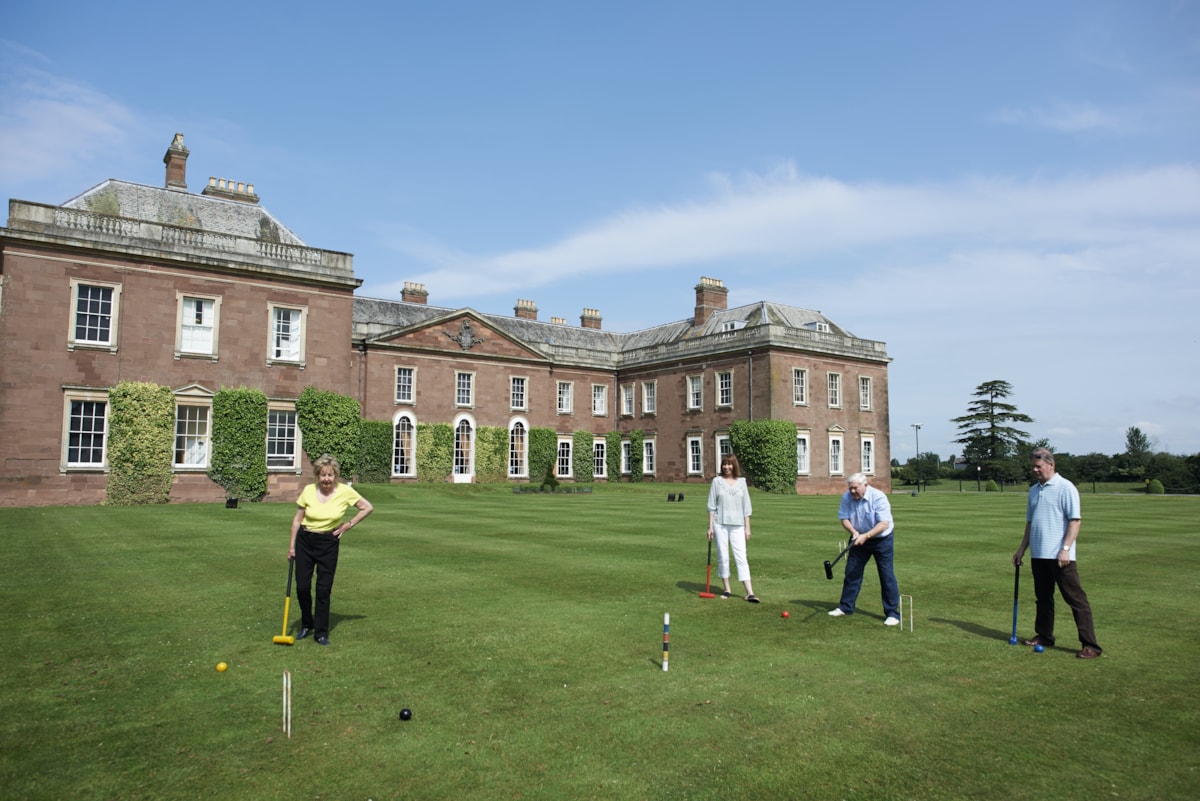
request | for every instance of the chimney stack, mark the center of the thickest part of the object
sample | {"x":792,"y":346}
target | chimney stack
{"x":230,"y":190}
{"x":711,"y":296}
{"x":176,"y":161}
{"x":559,"y":320}
{"x":414,"y":293}
{"x":590,"y":319}
{"x":525,"y":309}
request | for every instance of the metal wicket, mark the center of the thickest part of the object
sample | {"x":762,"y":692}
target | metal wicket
{"x":910,"y":612}
{"x":666,"y":638}
{"x":287,"y":703}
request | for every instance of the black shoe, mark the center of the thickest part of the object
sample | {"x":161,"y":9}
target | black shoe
{"x":322,"y":639}
{"x":303,"y":632}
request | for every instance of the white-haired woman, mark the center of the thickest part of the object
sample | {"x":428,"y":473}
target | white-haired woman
{"x":317,"y":530}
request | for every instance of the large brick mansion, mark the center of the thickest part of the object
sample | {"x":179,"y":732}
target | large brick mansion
{"x":196,"y":292}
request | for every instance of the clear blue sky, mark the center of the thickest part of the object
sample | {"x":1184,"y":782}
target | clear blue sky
{"x":996,"y":190}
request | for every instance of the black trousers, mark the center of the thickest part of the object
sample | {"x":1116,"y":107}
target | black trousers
{"x":1047,"y":574}
{"x":319,"y":550}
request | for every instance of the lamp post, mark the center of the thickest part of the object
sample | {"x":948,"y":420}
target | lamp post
{"x":978,"y":478}
{"x":917,"y":432}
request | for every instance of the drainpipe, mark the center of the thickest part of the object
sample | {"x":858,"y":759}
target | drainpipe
{"x":750,"y":369}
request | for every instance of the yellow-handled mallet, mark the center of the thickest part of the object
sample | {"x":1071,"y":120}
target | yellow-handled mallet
{"x":285,"y":638}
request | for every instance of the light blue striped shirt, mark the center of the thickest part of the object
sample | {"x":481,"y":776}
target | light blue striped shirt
{"x":1052,"y":506}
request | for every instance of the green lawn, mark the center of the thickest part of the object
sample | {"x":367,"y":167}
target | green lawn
{"x":525,"y":633}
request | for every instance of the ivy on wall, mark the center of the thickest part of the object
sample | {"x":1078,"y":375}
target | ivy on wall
{"x":375,"y":451}
{"x":239,"y":442}
{"x":140,"y":447}
{"x":636,"y":455}
{"x":491,"y":454}
{"x":583,"y":460}
{"x":543,"y":449}
{"x":766,"y":450}
{"x":612,"y":455}
{"x":330,"y":423}
{"x":435,"y":451}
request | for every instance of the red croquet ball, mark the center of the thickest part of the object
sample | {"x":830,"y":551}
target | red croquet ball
{"x":785,"y":613}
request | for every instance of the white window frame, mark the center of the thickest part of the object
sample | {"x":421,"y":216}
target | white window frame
{"x":723,"y":445}
{"x":464,"y":389}
{"x":198,"y":443}
{"x":411,"y":399}
{"x":293,"y":438}
{"x":725,"y":389}
{"x":837,"y":455}
{"x":518,"y":399}
{"x":518,"y":461}
{"x":626,"y":457}
{"x":649,"y":397}
{"x":599,"y":457}
{"x":600,"y":400}
{"x":864,"y":393}
{"x":408,"y":470}
{"x":464,"y":454}
{"x":695,"y":393}
{"x":563,"y":458}
{"x":799,"y":386}
{"x":113,"y":316}
{"x":71,"y":397}
{"x":867,"y":455}
{"x":648,"y":460}
{"x":695,"y":455}
{"x":273,"y":310}
{"x":833,"y":390}
{"x":565,"y":397}
{"x":803,"y":453}
{"x":627,"y":400}
{"x":182,"y":315}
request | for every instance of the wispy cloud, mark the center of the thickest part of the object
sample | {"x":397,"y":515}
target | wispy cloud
{"x":763,"y":222}
{"x":1072,"y":118}
{"x":49,"y":125}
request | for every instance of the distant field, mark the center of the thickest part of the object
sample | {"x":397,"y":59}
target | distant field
{"x":525,"y":633}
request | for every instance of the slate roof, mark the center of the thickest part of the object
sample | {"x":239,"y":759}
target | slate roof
{"x":173,"y":207}
{"x":379,"y":319}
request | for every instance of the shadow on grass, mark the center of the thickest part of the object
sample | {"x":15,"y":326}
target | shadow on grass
{"x":974,"y":628}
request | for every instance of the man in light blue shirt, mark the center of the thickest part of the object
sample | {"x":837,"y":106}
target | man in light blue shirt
{"x":1051,"y":529}
{"x":866,"y":514}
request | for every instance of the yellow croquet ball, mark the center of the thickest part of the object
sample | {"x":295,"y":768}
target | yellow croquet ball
{"x":222,"y":667}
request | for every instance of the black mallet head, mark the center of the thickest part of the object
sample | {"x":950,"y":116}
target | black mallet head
{"x":829,"y":570}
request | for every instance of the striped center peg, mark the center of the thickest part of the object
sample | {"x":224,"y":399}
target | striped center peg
{"x":666,"y":637}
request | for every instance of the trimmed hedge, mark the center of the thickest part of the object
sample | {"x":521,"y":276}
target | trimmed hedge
{"x":141,"y":444}
{"x":330,"y":423}
{"x":239,"y":442}
{"x":766,"y":450}
{"x":583,"y":459}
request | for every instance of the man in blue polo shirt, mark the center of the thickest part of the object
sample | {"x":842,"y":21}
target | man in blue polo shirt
{"x":1051,"y":529}
{"x":866,"y":515}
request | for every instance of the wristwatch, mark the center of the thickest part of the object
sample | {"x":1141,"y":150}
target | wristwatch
{"x":1066,"y":547}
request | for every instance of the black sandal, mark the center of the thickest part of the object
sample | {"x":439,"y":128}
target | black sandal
{"x":725,"y":595}
{"x":752,"y":599}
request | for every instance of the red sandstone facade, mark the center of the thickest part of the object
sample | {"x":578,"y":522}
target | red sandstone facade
{"x":209,"y":291}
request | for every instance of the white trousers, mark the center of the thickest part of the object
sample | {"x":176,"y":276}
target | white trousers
{"x":731,"y":537}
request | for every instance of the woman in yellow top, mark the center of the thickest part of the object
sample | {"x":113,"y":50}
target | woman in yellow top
{"x":317,"y":531}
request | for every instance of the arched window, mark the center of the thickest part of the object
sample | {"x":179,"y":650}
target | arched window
{"x":518,"y":450}
{"x":463,"y":448}
{"x":404,"y":446}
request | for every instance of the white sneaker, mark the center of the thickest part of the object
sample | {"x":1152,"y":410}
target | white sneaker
{"x":892,"y":621}
{"x":836,"y":612}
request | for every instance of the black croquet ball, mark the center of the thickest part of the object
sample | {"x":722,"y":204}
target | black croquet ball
{"x":406,"y":714}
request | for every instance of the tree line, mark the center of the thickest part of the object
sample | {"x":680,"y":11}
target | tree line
{"x":995,"y":449}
